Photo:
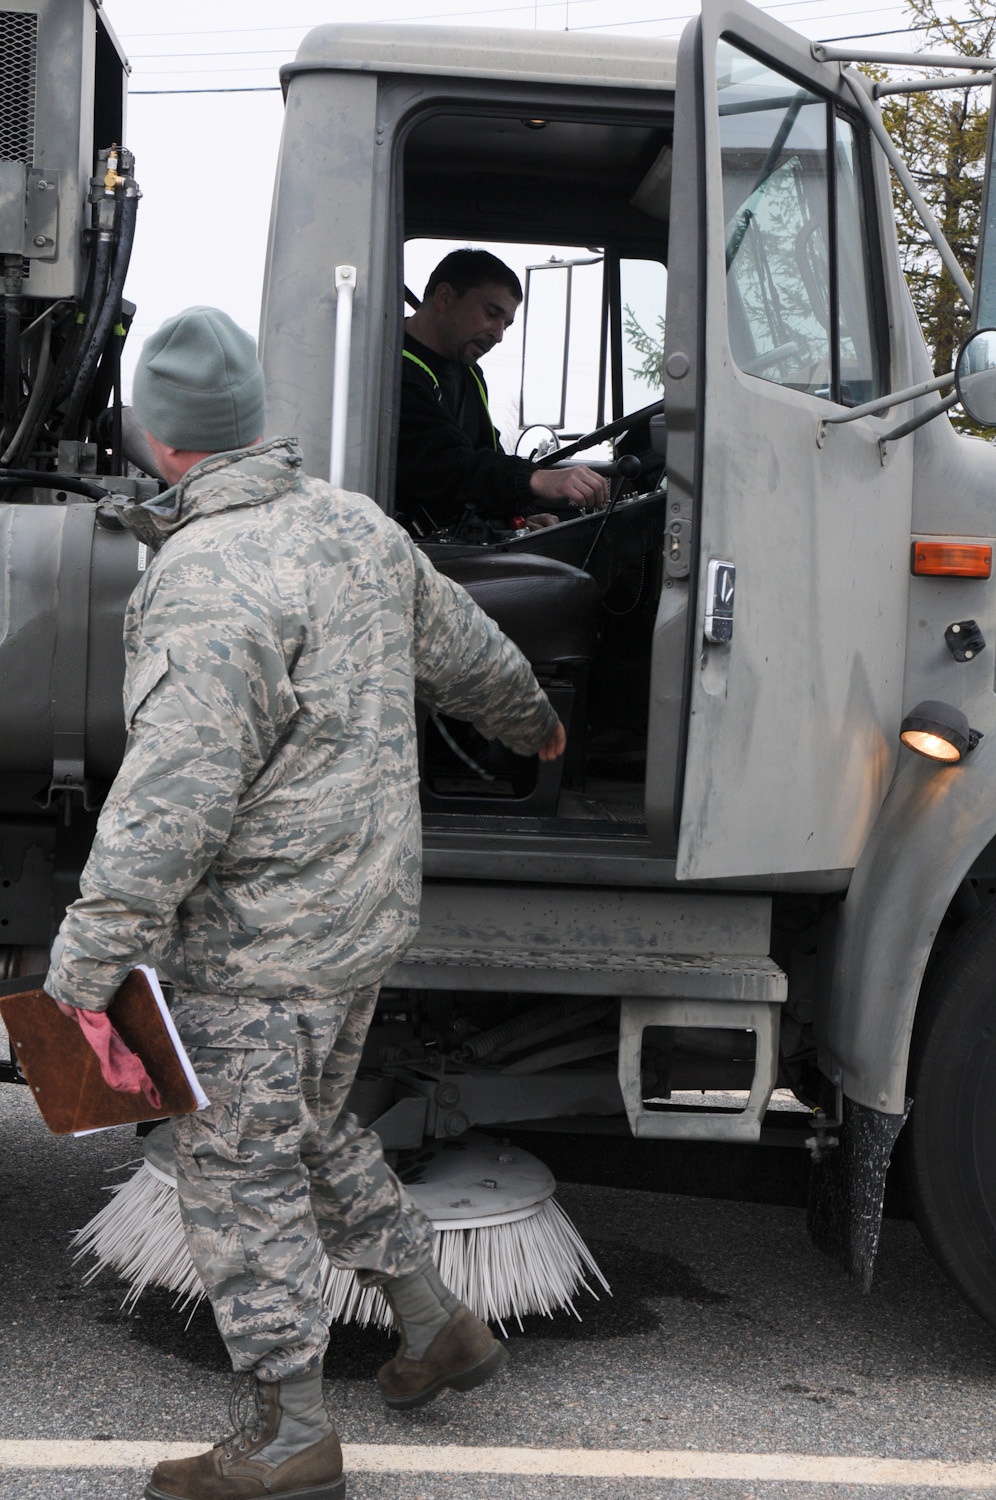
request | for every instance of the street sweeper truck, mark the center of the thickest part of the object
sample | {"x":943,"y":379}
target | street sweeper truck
{"x":764,"y":872}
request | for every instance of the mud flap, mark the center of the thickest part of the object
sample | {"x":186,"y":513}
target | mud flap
{"x":847,"y":1189}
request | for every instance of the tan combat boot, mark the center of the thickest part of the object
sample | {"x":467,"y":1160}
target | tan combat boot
{"x":443,"y":1344}
{"x":283,"y":1444}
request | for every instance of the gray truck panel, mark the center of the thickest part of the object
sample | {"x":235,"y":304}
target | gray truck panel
{"x":325,"y":197}
{"x":934,"y":822}
{"x":593,"y":61}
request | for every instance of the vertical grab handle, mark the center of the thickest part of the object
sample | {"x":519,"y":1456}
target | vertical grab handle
{"x":345,"y":285}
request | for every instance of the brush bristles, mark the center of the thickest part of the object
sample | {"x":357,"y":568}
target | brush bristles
{"x":139,"y":1234}
{"x":501,"y":1271}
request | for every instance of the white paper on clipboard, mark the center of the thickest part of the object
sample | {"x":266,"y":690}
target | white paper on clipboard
{"x":181,"y":1051}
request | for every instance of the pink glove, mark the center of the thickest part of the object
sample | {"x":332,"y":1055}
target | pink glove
{"x":122,"y":1070}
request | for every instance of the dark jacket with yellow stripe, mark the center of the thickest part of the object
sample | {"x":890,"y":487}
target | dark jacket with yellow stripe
{"x":451,"y":467}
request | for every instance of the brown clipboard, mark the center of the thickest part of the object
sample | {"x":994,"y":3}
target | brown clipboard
{"x":64,"y":1074}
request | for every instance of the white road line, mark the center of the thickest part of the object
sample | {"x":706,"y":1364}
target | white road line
{"x":581,"y":1463}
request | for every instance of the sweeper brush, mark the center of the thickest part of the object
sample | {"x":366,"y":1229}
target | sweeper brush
{"x":503,"y":1245}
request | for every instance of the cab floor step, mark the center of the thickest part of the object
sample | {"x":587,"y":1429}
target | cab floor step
{"x":744,"y":977}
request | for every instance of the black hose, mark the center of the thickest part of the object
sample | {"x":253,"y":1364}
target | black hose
{"x":93,"y":300}
{"x":117,"y":439}
{"x":12,"y":365}
{"x":59,"y":374}
{"x":106,"y":318}
{"x":44,"y":479}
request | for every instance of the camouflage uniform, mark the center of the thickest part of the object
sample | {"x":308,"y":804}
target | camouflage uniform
{"x":261,"y":846}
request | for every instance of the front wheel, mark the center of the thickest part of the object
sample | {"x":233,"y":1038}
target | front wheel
{"x":951,"y":1134}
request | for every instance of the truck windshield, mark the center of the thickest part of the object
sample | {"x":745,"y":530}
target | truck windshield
{"x":798,"y":303}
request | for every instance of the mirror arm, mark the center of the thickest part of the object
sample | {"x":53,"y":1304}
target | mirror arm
{"x":929,"y":85}
{"x":857,"y":85}
{"x":883,"y":403}
{"x":920,"y":420}
{"x":825,"y":52}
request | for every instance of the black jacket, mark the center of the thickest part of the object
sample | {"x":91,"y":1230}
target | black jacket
{"x":449,"y":459}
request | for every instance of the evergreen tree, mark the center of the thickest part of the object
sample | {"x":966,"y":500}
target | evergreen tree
{"x":941,"y":136}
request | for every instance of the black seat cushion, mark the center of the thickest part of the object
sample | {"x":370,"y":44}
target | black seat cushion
{"x":548,"y":608}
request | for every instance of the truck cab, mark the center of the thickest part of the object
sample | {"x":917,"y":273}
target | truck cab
{"x":734,"y":171}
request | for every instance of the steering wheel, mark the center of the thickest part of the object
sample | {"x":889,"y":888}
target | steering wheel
{"x":536,"y":442}
{"x":601,"y":435}
{"x":638,"y":450}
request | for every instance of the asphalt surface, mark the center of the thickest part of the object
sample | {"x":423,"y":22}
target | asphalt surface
{"x":727,"y":1332}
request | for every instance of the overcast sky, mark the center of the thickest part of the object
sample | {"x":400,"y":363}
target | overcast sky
{"x":205,"y":110}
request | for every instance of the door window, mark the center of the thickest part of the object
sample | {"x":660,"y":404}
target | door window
{"x":796,"y":235}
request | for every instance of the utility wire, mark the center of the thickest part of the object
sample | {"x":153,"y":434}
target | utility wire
{"x":532,"y":7}
{"x":262,"y":88}
{"x":674,"y":21}
{"x":527,"y":6}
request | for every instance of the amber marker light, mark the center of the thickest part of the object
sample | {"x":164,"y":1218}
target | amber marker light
{"x":939,"y":731}
{"x":952,"y":560}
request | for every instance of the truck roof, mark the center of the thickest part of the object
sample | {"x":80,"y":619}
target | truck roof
{"x":570,"y":57}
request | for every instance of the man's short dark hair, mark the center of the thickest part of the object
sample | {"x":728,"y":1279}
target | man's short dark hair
{"x":466,"y":269}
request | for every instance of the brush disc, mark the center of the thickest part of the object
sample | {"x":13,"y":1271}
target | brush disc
{"x":502,"y":1245}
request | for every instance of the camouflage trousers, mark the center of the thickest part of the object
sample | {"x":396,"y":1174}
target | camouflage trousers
{"x":275,"y":1170}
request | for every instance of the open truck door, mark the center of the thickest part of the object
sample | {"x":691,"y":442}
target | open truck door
{"x":792,"y":530}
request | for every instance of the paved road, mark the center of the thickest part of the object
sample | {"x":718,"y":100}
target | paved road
{"x":732,"y":1363}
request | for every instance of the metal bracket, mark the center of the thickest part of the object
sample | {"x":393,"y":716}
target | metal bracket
{"x":678,"y":546}
{"x":821,"y":1141}
{"x":41,"y":216}
{"x":69,"y":667}
{"x":760,"y":1017}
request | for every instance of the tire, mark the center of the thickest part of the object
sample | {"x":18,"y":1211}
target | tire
{"x":950,"y":1147}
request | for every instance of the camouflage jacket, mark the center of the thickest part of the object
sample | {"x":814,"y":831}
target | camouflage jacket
{"x":262,"y":836}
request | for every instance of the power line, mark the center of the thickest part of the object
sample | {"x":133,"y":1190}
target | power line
{"x":228,"y":52}
{"x":676,"y":22}
{"x":777,"y":5}
{"x":527,"y":6}
{"x":263,"y":88}
{"x":531,"y":6}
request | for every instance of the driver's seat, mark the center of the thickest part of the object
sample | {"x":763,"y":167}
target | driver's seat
{"x":551,"y":611}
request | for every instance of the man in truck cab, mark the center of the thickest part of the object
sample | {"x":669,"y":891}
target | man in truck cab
{"x":261,"y":846}
{"x":452,"y":471}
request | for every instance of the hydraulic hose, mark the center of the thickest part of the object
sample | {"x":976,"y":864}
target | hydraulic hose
{"x":37,"y":390}
{"x":55,"y":383}
{"x":93,"y":300}
{"x":44,"y":479}
{"x":107,"y":317}
{"x":11,"y":344}
{"x":11,"y":364}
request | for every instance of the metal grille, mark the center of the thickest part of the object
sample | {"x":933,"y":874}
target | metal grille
{"x":18,"y":65}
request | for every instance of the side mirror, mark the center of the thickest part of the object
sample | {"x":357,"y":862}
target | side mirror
{"x":975,"y":376}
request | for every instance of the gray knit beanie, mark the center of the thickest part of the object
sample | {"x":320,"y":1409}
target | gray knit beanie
{"x":198,"y":385}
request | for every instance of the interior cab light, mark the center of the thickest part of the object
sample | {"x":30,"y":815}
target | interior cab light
{"x":952,"y":559}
